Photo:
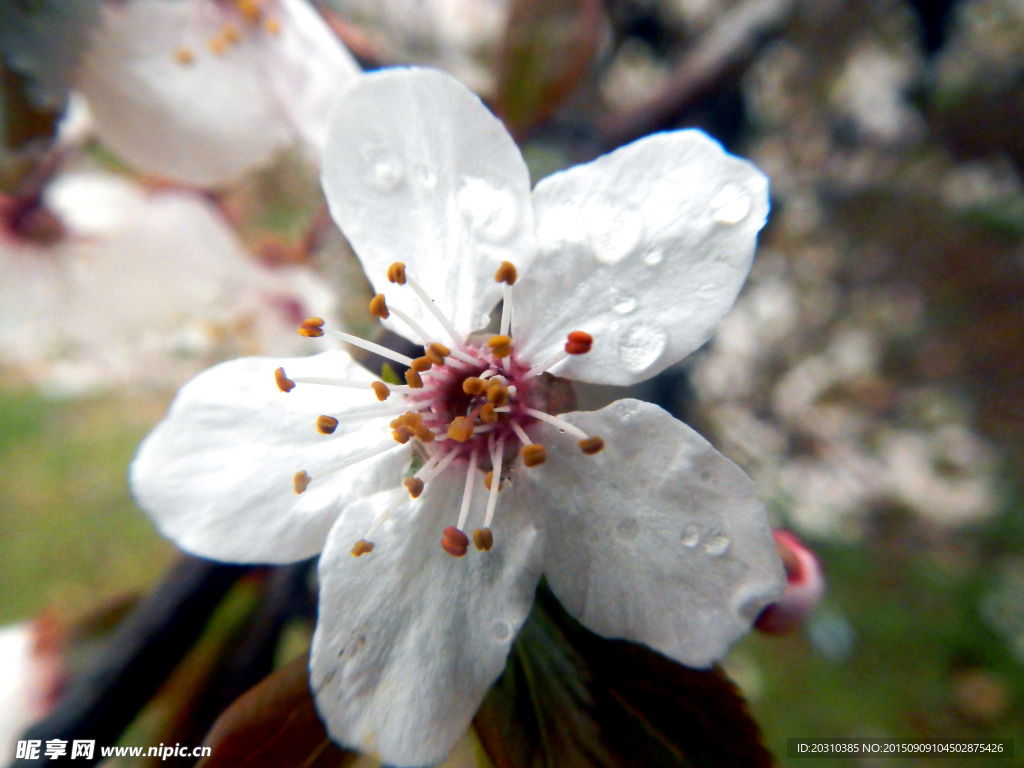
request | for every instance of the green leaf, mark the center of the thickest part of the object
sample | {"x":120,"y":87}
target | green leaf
{"x":274,"y":725}
{"x":569,"y":698}
{"x":547,"y":49}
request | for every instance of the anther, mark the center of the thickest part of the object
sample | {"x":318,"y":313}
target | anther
{"x":301,"y":481}
{"x":534,"y":454}
{"x":501,"y":346}
{"x":283,"y":382}
{"x":474,"y":386}
{"x":326,"y":425}
{"x":487,"y":481}
{"x":312,"y":327}
{"x":403,"y":434}
{"x":497,"y":394}
{"x":231,"y":35}
{"x":424,"y":434}
{"x":506,"y":273}
{"x":591,"y":445}
{"x":250,"y":9}
{"x":461,"y":429}
{"x":413,"y":379}
{"x":482,"y":537}
{"x":272,"y":25}
{"x":396,"y":273}
{"x":362,"y":547}
{"x":487,"y":414}
{"x":380,"y":389}
{"x":421,"y":364}
{"x":414,"y":485}
{"x":454,"y":541}
{"x":437,"y":353}
{"x":217,"y":44}
{"x":579,"y":343}
{"x":184,"y":56}
{"x":379,"y":307}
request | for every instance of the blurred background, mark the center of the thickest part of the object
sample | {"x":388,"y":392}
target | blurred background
{"x":870,"y":378}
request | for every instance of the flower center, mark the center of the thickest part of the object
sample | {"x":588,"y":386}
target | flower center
{"x":468,"y":410}
{"x":233,"y":20}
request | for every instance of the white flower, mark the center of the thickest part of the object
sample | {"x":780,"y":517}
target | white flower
{"x":200,"y":91}
{"x":657,"y":538}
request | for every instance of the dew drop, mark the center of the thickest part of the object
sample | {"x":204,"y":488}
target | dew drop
{"x":730,"y":204}
{"x":716,"y":544}
{"x":624,"y":304}
{"x":613,"y":229}
{"x":625,"y":409}
{"x":654,"y":258}
{"x":501,"y":631}
{"x":691,"y":535}
{"x":641,"y":346}
{"x":627,"y":529}
{"x":381,"y":168}
{"x":490,"y":212}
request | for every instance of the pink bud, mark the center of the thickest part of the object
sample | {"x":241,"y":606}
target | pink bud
{"x":805,"y":584}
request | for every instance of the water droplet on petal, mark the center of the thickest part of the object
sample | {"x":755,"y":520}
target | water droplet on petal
{"x":624,"y":304}
{"x":716,"y":544}
{"x":501,"y":631}
{"x":381,"y":168}
{"x":491,"y":213}
{"x":730,"y":205}
{"x":614,"y":230}
{"x":641,"y":346}
{"x":625,"y":409}
{"x":654,"y":258}
{"x":691,"y":535}
{"x":426,"y":177}
{"x":627,"y":529}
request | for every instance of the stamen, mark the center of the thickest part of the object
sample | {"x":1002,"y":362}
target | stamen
{"x":494,"y":487}
{"x":397,"y":497}
{"x":421,"y":364}
{"x":434,"y":310}
{"x":380,"y":389}
{"x":362,"y":547}
{"x":488,"y":414}
{"x":467,"y":493}
{"x":463,"y":356}
{"x":436,"y":353}
{"x":312,"y":327}
{"x":355,"y":458}
{"x":440,"y":467}
{"x":330,"y":381}
{"x":557,"y":422}
{"x":473,"y":386}
{"x":231,"y":35}
{"x":506,"y":273}
{"x":454,"y":541}
{"x":283,"y":382}
{"x":369,"y":346}
{"x":497,"y":393}
{"x":520,"y":433}
{"x":579,"y":343}
{"x":500,"y":346}
{"x":300,"y":481}
{"x":184,"y":56}
{"x":534,"y":454}
{"x":272,"y":25}
{"x":413,"y":379}
{"x":379,"y":307}
{"x":591,"y":445}
{"x":396,"y":273}
{"x":483,"y":539}
{"x":416,"y":327}
{"x":217,"y":44}
{"x":414,"y":485}
{"x":461,"y":429}
{"x":326,"y":425}
{"x":506,"y":309}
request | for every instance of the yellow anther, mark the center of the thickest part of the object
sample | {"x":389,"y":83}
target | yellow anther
{"x":506,"y":273}
{"x":534,"y":454}
{"x":414,"y":485}
{"x":424,"y":434}
{"x":312,"y":327}
{"x":487,"y":481}
{"x":283,"y":382}
{"x":413,"y":379}
{"x":487,"y":414}
{"x":579,"y":343}
{"x":250,"y":9}
{"x":301,"y":481}
{"x":591,"y":445}
{"x":379,"y":307}
{"x":217,"y":44}
{"x":437,"y":353}
{"x":396,"y":273}
{"x":482,"y":537}
{"x":421,"y":364}
{"x":326,"y":425}
{"x":231,"y":34}
{"x":474,"y":386}
{"x":403,"y":434}
{"x":412,"y":419}
{"x":461,"y":429}
{"x":454,"y":541}
{"x":497,"y":394}
{"x":184,"y":56}
{"x":501,"y":346}
{"x":380,"y":389}
{"x":272,"y":25}
{"x":362,"y":547}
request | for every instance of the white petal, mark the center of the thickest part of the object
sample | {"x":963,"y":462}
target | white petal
{"x":645,"y":249}
{"x":216,"y":474}
{"x":18,"y":688}
{"x":409,"y":639}
{"x":658,"y":538}
{"x":417,"y":170}
{"x":202,"y":123}
{"x":306,"y":68}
